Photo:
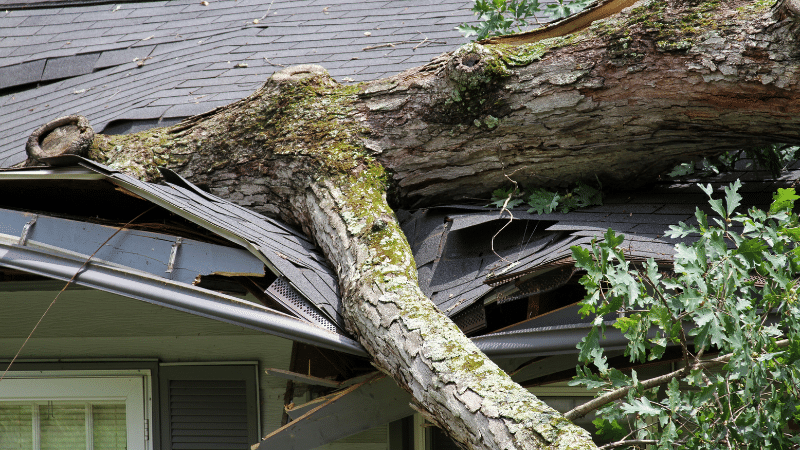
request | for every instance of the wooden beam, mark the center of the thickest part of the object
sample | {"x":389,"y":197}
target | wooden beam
{"x":300,"y":378}
{"x":373,"y":402}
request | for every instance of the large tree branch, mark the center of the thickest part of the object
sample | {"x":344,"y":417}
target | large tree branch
{"x":622,"y":100}
{"x":451,"y":381}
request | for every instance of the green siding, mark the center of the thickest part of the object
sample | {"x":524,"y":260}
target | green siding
{"x":89,"y":325}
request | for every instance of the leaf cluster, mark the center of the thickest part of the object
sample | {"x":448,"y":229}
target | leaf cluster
{"x":730,"y":304}
{"x":500,"y":17}
{"x":773,"y":158}
{"x":543,"y":201}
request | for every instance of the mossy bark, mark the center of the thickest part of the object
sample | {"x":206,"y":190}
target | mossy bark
{"x":616,"y":101}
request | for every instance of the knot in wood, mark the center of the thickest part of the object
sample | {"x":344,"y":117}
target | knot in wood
{"x":69,"y":135}
{"x":379,"y":224}
{"x":474,"y":66}
{"x":469,"y":61}
{"x":300,"y":72}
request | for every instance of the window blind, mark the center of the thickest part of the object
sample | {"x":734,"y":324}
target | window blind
{"x":15,"y":427}
{"x":63,"y":426}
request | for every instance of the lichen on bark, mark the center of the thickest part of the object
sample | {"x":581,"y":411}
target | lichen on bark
{"x":306,"y":128}
{"x":323,"y":156}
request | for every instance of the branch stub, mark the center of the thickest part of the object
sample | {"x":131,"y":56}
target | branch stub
{"x":474,"y":65}
{"x":69,"y":135}
{"x":297,"y":73}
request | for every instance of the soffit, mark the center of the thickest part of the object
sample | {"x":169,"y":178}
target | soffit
{"x":94,"y":313}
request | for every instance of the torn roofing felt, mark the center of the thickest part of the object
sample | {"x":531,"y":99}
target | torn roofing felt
{"x":305,"y":284}
{"x":471,"y":255}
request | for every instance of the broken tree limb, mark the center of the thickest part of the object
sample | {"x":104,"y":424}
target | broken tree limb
{"x":622,"y":100}
{"x":69,"y":135}
{"x":617,"y":394}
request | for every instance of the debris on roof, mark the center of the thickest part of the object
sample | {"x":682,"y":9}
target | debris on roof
{"x":497,"y":271}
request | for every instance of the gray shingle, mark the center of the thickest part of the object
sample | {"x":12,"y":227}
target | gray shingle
{"x":107,"y":14}
{"x":45,"y":20}
{"x":23,"y":30}
{"x":30,"y":72}
{"x":123,"y":56}
{"x":189,"y":109}
{"x":156,"y":13}
{"x":9,"y":21}
{"x":78,"y":32}
{"x":132,"y":26}
{"x":17,"y":41}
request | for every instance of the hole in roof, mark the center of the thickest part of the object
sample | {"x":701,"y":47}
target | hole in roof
{"x":477,"y":240}
{"x":27,"y":86}
{"x":97,"y":201}
{"x":127,"y":126}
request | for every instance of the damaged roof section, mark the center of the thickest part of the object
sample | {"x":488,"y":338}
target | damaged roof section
{"x":494,"y":273}
{"x":178,"y":259}
{"x":72,"y":207}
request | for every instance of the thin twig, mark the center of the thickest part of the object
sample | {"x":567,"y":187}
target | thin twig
{"x":268,"y":8}
{"x":392,"y":44}
{"x":510,"y":214}
{"x":683,"y":338}
{"x":422,"y":42}
{"x":272,"y":63}
{"x":85,"y":263}
{"x":630,"y":442}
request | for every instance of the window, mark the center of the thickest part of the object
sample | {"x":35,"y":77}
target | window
{"x":75,"y":410}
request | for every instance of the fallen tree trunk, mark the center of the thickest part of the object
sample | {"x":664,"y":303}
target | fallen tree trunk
{"x":622,"y":100}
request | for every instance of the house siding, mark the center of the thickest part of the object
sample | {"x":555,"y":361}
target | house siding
{"x":88,"y":325}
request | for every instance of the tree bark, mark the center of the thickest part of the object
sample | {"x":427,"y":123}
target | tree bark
{"x":621,"y":101}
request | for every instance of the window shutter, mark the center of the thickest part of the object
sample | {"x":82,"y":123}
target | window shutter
{"x":208,"y":407}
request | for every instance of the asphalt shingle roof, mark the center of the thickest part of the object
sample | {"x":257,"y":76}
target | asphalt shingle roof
{"x":84,"y":59}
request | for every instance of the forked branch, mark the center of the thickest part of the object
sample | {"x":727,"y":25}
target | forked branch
{"x":617,"y":394}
